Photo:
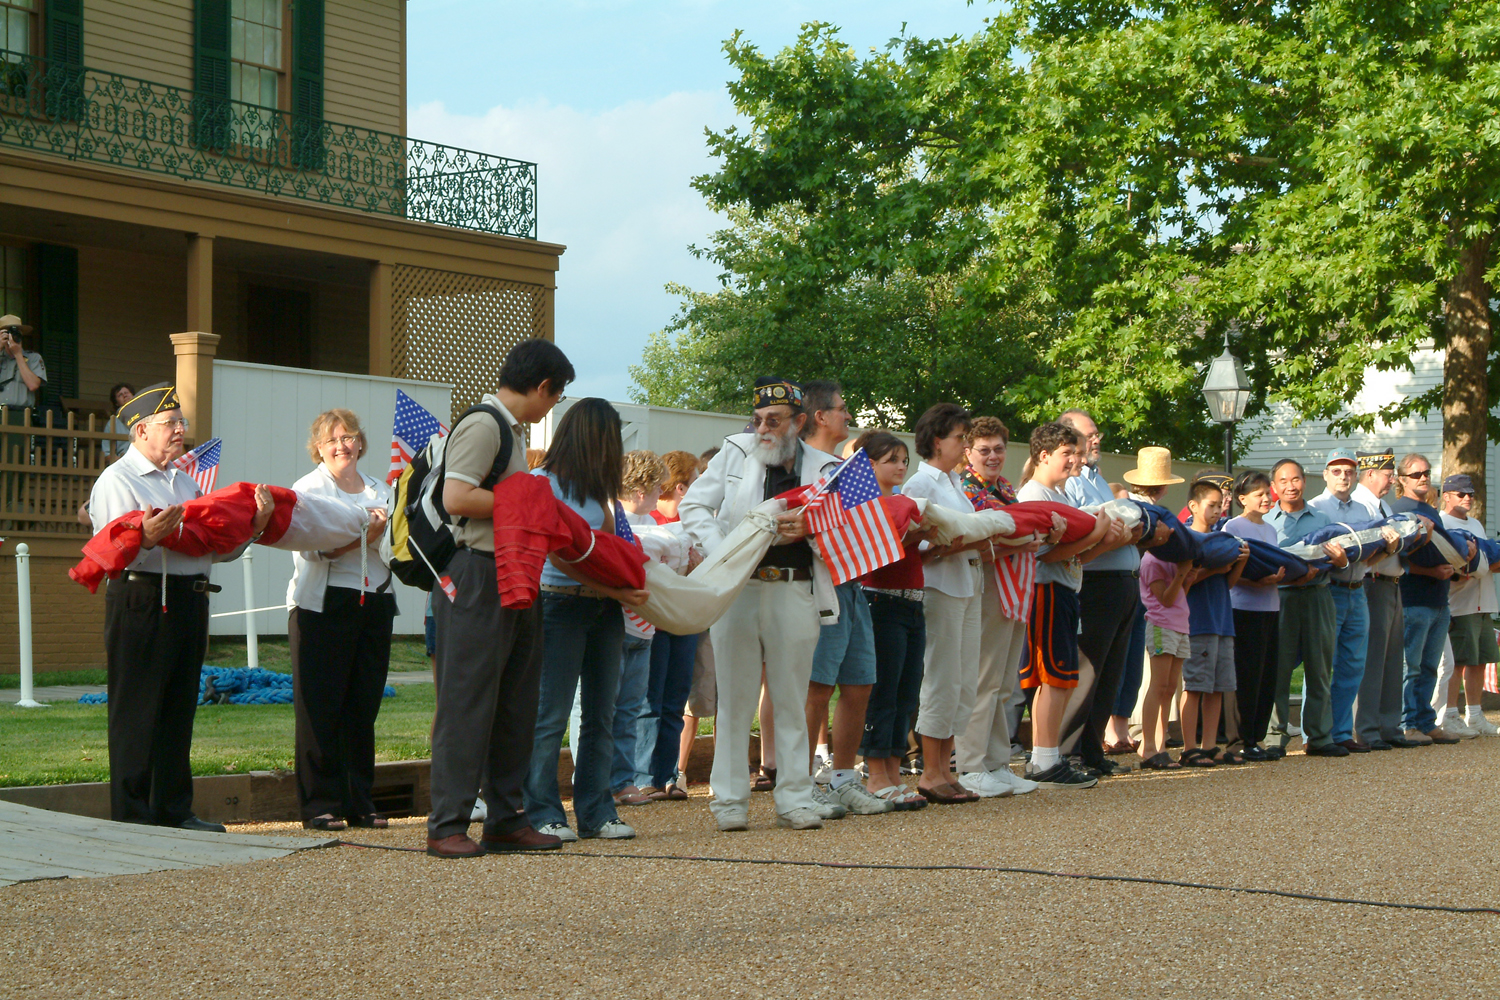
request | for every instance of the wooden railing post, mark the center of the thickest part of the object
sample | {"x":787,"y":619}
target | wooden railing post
{"x":195,"y":380}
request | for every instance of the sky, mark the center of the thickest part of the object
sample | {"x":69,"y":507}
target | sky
{"x":611,"y":98}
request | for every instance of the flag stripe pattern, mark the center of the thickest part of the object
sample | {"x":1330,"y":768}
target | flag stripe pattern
{"x":633,"y":621}
{"x":853,"y":529}
{"x":202,"y":464}
{"x":414,"y":426}
{"x":1015,"y":578}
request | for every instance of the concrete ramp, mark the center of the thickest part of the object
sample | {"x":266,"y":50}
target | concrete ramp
{"x":41,"y":844}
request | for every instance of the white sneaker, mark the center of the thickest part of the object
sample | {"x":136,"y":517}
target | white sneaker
{"x":1484,"y":727}
{"x":561,"y":831}
{"x":732,"y":820}
{"x":859,"y":800}
{"x":1010,"y":779}
{"x":1293,"y":732}
{"x":1455,"y":726}
{"x":822,"y":771}
{"x":985,"y":785}
{"x":800,"y":818}
{"x":825,"y":806}
{"x":479,"y":813}
{"x":613,"y":830}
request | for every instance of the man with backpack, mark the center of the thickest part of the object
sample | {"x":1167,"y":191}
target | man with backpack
{"x":489,"y":658}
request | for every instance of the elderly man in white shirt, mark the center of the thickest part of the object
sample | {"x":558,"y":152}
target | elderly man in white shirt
{"x":775,"y":619}
{"x":156,"y":619}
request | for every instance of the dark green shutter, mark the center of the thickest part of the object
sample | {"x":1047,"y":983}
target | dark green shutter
{"x":57,"y":320}
{"x":64,"y":59}
{"x":308,"y":145}
{"x":211,"y":111}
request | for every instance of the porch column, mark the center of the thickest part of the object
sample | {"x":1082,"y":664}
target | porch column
{"x":380,"y":318}
{"x":200,"y":282}
{"x":195,"y":380}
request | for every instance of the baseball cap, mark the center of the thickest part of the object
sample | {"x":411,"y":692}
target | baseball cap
{"x":1459,"y":482}
{"x":1341,"y":455}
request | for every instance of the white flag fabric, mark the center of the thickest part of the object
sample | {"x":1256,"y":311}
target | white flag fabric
{"x":320,"y":522}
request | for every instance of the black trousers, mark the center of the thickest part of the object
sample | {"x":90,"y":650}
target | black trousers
{"x":1106,"y":605}
{"x":154,"y":663}
{"x":1257,"y":637}
{"x":340,"y":657}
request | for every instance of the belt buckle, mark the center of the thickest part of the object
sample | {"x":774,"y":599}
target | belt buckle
{"x":770,"y":574}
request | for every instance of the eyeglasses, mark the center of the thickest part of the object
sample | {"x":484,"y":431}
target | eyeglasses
{"x":1424,"y":474}
{"x":987,"y":452}
{"x":347,"y":440}
{"x":769,"y":423}
{"x":171,"y":423}
{"x":1462,"y":496}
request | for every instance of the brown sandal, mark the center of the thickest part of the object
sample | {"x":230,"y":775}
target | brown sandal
{"x":765,"y":781}
{"x":940,"y":796}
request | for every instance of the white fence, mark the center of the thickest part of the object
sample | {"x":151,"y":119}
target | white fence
{"x":263,"y":414}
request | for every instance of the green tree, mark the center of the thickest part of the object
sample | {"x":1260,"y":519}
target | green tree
{"x":1318,"y":178}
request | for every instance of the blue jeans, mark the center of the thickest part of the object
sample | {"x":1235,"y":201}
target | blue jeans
{"x":900,"y":628}
{"x":635,"y":672}
{"x":1351,"y":628}
{"x":1135,"y":666}
{"x":659,"y":731}
{"x":1424,"y":631}
{"x":581,"y":652}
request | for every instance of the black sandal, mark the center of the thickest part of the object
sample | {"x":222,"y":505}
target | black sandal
{"x":327,"y":821}
{"x":1228,"y":756}
{"x":1198,"y":757}
{"x":374,"y":821}
{"x":1160,"y":762}
{"x":765,"y":781}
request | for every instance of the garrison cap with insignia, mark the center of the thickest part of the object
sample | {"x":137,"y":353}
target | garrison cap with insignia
{"x":770,"y":391}
{"x":153,"y":399}
{"x":1376,"y":461}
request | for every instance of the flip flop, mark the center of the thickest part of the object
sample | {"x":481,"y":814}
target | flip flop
{"x":940,"y":796}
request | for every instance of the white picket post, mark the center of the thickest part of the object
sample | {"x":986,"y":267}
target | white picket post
{"x":252,"y":639}
{"x":23,"y":600}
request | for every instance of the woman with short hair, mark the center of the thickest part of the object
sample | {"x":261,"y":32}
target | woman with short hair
{"x":339,"y":631}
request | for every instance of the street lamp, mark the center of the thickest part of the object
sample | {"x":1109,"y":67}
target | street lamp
{"x":1227,"y":392}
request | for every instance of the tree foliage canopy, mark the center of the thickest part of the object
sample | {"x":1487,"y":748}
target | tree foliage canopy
{"x":1072,"y":206}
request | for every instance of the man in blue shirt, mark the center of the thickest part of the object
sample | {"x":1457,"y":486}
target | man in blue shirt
{"x":1307,"y":619}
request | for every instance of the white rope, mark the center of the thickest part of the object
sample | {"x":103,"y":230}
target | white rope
{"x":250,"y":611}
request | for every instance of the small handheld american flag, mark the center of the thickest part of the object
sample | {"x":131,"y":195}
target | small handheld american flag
{"x":854,"y":531}
{"x":202,"y":464}
{"x":633,"y":621}
{"x":413,"y":428}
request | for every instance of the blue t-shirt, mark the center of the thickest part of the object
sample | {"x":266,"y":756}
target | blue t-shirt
{"x":1210,"y":611}
{"x":589,"y":510}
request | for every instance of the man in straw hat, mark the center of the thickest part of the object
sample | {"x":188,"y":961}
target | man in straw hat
{"x":155,"y":619}
{"x":1107,"y":605}
{"x":775,"y":620}
{"x":22,"y":372}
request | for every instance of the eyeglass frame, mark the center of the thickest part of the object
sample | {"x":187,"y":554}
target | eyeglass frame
{"x":169,"y":422}
{"x":1424,"y":474}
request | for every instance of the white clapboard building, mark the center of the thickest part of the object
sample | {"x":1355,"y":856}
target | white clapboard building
{"x":1277,"y":433}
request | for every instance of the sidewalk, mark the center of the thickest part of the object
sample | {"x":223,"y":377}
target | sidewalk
{"x":72,"y":692}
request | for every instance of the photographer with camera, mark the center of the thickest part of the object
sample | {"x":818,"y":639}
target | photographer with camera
{"x":22,"y":372}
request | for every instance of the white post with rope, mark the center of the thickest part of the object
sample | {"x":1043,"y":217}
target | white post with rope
{"x":23,"y":601}
{"x":252,"y":638}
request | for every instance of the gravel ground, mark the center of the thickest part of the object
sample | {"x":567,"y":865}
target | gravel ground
{"x":1410,"y":826}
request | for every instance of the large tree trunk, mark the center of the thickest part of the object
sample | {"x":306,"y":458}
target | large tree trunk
{"x":1466,"y":406}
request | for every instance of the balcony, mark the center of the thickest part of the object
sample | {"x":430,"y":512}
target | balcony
{"x":91,"y":116}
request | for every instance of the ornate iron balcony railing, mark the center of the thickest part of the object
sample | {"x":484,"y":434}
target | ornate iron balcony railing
{"x":93,"y":116}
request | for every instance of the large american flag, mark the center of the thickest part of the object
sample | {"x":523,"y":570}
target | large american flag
{"x":1015,"y":578}
{"x":633,"y":621}
{"x":202,"y":464}
{"x":414,"y":427}
{"x":854,"y":531}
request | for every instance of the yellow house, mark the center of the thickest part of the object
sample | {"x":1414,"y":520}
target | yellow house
{"x":189,"y":179}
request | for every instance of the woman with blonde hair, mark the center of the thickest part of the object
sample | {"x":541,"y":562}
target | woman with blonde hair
{"x":339,"y":631}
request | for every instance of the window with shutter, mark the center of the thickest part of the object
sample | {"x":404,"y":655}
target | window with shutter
{"x":64,"y":59}
{"x":57,"y":319}
{"x":309,"y":147}
{"x":211,"y":109}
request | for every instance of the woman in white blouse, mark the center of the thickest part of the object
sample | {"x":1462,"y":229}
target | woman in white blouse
{"x":339,"y":631}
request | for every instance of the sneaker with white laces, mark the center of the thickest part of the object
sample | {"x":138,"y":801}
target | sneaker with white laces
{"x":1061,"y":775}
{"x":800,"y":818}
{"x":1483,"y":726}
{"x":857,"y":799}
{"x":1017,"y":784}
{"x":825,"y":806}
{"x":613,"y":830}
{"x":561,"y":831}
{"x":733,"y":820}
{"x":1454,"y":726}
{"x":985,"y":785}
{"x":479,"y":813}
{"x":822,"y":771}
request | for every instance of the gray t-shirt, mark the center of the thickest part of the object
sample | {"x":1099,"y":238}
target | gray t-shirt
{"x":1069,"y":572}
{"x":468,"y":457}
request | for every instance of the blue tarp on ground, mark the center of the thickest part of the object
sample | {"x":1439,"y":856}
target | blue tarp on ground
{"x":236,"y":686}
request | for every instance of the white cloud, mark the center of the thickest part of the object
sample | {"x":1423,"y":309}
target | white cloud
{"x":614,"y":187}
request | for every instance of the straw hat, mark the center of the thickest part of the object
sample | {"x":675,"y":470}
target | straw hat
{"x":1153,"y":468}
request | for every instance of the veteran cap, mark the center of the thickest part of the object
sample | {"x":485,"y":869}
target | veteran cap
{"x":771,"y":391}
{"x":1218,"y":479}
{"x":153,"y":399}
{"x":1376,"y":461}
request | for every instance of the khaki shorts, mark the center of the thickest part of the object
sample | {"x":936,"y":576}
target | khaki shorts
{"x":1473,"y":638}
{"x":1164,"y":642}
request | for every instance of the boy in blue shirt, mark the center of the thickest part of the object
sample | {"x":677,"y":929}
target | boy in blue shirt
{"x":1209,"y":669}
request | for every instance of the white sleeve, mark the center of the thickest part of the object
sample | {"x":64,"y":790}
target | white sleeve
{"x":700,"y":505}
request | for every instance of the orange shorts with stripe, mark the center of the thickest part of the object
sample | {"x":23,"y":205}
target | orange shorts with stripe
{"x":1052,"y":638}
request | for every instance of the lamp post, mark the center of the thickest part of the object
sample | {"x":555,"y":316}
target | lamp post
{"x":1227,"y":392}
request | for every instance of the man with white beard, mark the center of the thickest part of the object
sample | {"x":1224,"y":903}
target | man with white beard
{"x":775,"y":620}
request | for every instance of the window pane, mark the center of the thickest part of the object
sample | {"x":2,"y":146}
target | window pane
{"x":268,"y":88}
{"x":236,"y":91}
{"x":237,"y":8}
{"x":273,"y":13}
{"x":236,"y":39}
{"x":254,"y":41}
{"x":252,"y":11}
{"x":15,"y":268}
{"x":272,"y":48}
